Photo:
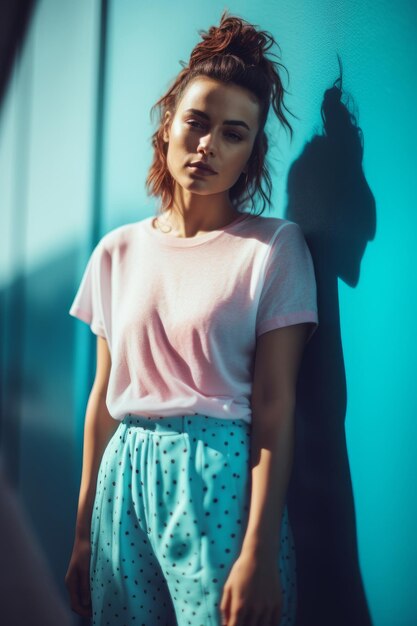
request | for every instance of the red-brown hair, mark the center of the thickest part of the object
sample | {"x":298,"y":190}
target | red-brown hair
{"x":233,"y":52}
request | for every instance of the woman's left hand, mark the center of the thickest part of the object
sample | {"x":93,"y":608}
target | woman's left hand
{"x":252,"y":594}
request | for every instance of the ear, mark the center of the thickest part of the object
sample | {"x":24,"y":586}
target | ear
{"x":166,"y":124}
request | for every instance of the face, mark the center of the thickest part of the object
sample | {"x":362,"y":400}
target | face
{"x":220,"y":130}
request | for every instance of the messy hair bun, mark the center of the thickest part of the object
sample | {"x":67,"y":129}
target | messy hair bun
{"x":233,"y":52}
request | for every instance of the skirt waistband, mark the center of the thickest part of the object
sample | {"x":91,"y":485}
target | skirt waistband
{"x":181,"y":423}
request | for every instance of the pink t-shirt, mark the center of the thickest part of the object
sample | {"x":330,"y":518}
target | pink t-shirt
{"x":181,"y":314}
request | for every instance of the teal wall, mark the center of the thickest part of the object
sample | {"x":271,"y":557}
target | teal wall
{"x":74,"y":154}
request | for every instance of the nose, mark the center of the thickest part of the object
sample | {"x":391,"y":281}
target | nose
{"x":206,"y":144}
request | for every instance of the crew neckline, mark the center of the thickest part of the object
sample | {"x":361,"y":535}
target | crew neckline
{"x":186,"y":242}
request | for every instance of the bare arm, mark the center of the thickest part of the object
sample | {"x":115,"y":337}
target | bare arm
{"x":99,"y":427}
{"x":277,"y":362}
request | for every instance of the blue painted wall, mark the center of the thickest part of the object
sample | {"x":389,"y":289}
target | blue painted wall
{"x":65,"y":180}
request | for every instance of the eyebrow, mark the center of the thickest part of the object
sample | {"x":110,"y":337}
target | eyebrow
{"x":207,"y":117}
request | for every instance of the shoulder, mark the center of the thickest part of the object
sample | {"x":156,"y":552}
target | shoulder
{"x":270,"y":229}
{"x":283,"y":239}
{"x":116,"y":239}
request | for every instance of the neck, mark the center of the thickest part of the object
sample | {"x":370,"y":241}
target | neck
{"x":190,"y":224}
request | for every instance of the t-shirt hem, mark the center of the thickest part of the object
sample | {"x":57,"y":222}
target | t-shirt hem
{"x":86,"y":317}
{"x":288,"y":320}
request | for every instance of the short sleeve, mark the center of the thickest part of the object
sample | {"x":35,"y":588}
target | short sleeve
{"x":92,"y":300}
{"x":289,"y":291}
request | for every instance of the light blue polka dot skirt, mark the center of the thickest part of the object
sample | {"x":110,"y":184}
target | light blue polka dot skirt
{"x":168,"y":522}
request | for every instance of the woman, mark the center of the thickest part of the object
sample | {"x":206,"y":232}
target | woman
{"x":201,"y":315}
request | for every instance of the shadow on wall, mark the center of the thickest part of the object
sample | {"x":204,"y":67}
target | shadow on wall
{"x":329,"y":198}
{"x":39,"y":440}
{"x":28,"y":592}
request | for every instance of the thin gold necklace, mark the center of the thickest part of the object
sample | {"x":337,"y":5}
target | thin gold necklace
{"x":169,"y":228}
{"x":159,"y":227}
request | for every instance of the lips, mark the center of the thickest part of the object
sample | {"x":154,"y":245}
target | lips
{"x":202,"y":167}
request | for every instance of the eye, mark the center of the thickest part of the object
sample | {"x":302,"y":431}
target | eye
{"x":230,"y":134}
{"x":235,"y":135}
{"x":193,"y":122}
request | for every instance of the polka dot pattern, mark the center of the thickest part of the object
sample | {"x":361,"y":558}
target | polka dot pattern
{"x":168,"y":521}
